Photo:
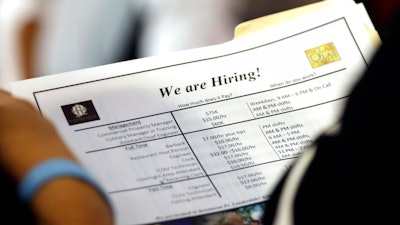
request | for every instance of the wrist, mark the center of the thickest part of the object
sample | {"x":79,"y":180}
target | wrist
{"x":49,"y":170}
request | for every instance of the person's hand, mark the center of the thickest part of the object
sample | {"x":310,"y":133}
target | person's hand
{"x":26,"y":137}
{"x":26,"y":140}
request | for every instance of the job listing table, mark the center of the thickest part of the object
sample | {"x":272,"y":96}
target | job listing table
{"x":221,"y":151}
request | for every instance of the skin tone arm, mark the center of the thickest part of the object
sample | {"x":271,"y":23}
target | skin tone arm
{"x":26,"y":139}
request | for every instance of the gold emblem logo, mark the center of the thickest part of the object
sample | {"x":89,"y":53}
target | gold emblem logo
{"x":322,"y":55}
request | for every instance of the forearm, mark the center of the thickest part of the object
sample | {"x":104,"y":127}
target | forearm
{"x":27,"y":140}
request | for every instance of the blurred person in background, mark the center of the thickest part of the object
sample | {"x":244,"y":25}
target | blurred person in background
{"x":47,"y":37}
{"x":40,"y":37}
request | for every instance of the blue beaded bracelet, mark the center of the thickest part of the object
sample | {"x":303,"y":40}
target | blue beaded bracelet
{"x":50,"y":169}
